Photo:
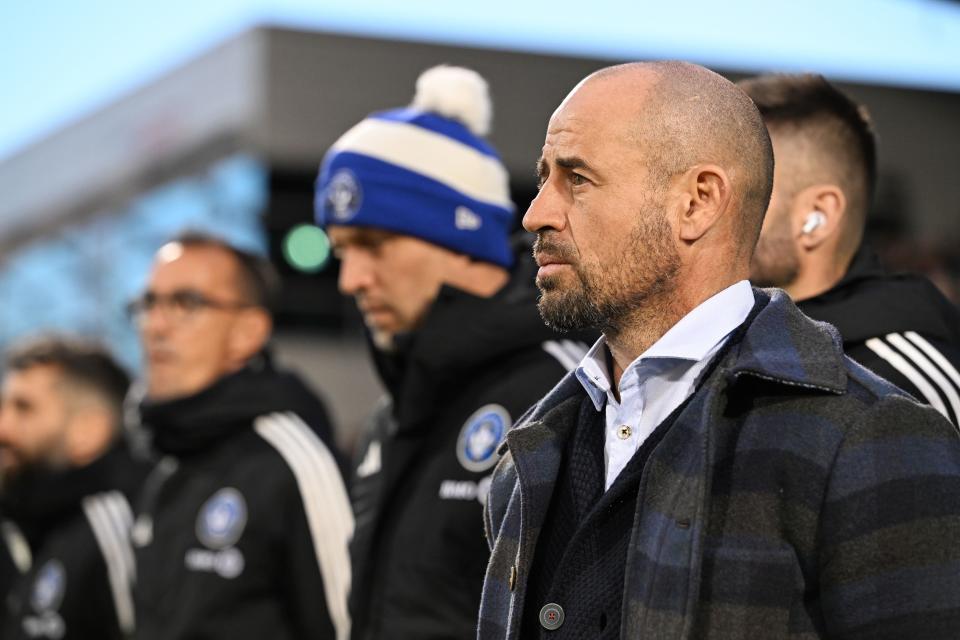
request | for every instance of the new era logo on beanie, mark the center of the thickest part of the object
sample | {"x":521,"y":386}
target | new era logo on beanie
{"x":424,"y":171}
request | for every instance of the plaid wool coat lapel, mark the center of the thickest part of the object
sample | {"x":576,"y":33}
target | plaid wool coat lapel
{"x":712,"y":555}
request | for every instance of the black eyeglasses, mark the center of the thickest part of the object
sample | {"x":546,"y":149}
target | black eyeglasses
{"x":178,"y":305}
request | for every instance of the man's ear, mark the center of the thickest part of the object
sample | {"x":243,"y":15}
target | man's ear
{"x":250,"y":332}
{"x":818,"y":214}
{"x":707,"y":194}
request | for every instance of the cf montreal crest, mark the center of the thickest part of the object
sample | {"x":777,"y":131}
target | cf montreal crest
{"x":343,"y":196}
{"x":480,"y":437}
{"x":48,"y":587}
{"x":222,"y":519}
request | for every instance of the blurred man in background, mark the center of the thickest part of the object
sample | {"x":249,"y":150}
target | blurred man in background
{"x":67,"y":480}
{"x":243,"y":526}
{"x":899,"y":326}
{"x":418,"y":210}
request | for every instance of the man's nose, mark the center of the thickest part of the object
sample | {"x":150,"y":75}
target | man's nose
{"x":155,"y":321}
{"x":356,"y":271}
{"x":548,"y":209}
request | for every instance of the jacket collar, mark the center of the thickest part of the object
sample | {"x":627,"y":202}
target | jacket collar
{"x":777,"y":343}
{"x":781,"y":345}
{"x":198,"y":422}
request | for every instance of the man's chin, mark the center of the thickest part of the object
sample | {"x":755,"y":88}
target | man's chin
{"x":383,"y":340}
{"x":763,"y":278}
{"x":564,"y":313}
{"x":10,"y":466}
{"x":168,"y":390}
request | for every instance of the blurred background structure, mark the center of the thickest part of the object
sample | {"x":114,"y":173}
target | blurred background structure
{"x":122,"y":124}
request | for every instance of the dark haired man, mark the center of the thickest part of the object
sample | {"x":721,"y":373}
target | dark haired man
{"x":67,"y":480}
{"x":899,"y":326}
{"x":715,"y":467}
{"x":242,"y":528}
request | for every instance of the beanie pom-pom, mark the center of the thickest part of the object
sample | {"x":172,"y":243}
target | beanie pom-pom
{"x":456,"y":93}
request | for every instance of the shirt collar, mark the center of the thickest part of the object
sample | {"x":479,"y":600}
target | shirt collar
{"x":696,"y":336}
{"x":592,"y":373}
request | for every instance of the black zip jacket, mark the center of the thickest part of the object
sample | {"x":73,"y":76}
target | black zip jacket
{"x":456,"y":385}
{"x":900,"y":327}
{"x":242,"y":528}
{"x":76,"y":560}
{"x":10,"y":569}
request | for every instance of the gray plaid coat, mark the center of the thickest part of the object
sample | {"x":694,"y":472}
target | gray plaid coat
{"x":796,"y":496}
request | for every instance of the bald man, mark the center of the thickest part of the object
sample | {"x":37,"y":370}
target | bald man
{"x":715,"y":467}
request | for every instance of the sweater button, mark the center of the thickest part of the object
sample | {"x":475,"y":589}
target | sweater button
{"x":551,"y":616}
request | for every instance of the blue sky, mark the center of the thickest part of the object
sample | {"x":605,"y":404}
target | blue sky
{"x":60,"y":59}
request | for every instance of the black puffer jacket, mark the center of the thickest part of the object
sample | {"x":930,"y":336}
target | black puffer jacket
{"x":898,"y":326}
{"x":474,"y":366}
{"x":79,"y":568}
{"x":242,"y":528}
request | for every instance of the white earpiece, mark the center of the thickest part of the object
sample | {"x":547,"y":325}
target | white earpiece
{"x":814,"y":220}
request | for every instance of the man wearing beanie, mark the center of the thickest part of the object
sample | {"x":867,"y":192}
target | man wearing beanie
{"x":417,"y":207}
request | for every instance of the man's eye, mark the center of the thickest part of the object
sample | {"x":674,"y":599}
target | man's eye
{"x":576,"y":179}
{"x":188,"y":300}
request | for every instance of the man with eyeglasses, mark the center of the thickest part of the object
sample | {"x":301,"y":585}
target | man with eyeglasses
{"x":242,"y":528}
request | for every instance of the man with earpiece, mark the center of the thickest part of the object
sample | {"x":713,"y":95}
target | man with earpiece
{"x":899,"y":326}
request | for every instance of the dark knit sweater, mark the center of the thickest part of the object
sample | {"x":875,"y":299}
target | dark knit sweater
{"x":582,"y":547}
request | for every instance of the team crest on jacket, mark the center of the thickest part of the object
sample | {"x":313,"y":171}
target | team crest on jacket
{"x":49,"y":587}
{"x":480,"y":436}
{"x":343,"y":195}
{"x":222,"y":519}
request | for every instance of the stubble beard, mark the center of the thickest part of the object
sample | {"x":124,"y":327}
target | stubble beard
{"x":775,"y":262}
{"x":605,"y":297}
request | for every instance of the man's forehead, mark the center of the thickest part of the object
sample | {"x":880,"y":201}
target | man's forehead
{"x":347,"y":234}
{"x":581,"y":139}
{"x":33,"y":378}
{"x":594,"y":114}
{"x":194,"y":267}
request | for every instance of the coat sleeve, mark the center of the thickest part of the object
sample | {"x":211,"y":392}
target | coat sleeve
{"x":890,"y":527}
{"x":318,"y":527}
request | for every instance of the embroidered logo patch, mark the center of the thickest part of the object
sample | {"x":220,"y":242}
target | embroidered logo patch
{"x":480,"y":436}
{"x":467,"y":220}
{"x":222,"y":519}
{"x":49,"y":587}
{"x":343,"y":195}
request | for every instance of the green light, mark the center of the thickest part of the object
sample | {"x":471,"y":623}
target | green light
{"x":306,"y":248}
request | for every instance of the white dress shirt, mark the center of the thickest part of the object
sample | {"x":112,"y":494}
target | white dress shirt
{"x":662,"y":377}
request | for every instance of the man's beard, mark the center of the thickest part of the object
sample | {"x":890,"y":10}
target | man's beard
{"x":604,"y":296}
{"x":775,"y":262}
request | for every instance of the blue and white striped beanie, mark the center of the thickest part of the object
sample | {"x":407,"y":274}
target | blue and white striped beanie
{"x":424,"y":170}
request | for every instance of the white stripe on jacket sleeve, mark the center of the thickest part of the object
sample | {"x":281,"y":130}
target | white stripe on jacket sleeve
{"x":910,"y":351}
{"x":112,"y":534}
{"x":900,"y":363}
{"x":325,"y":504}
